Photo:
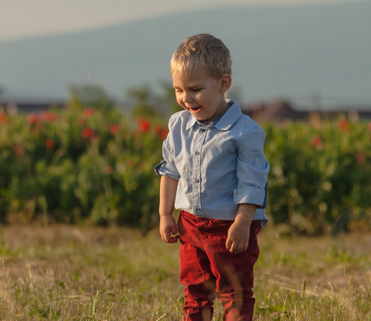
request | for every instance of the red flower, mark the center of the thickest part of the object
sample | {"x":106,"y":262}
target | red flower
{"x":108,"y":170}
{"x":94,"y":138}
{"x":343,"y":125}
{"x":114,"y":129}
{"x":360,"y":157}
{"x":48,"y":116}
{"x":81,"y":122}
{"x":32,"y":118}
{"x":144,"y":125}
{"x":89,"y":112}
{"x":316,"y":142}
{"x":369,"y":125}
{"x":87,"y":133}
{"x":131,"y":162}
{"x":161,"y":132}
{"x":3,"y":118}
{"x":49,"y":143}
{"x":18,"y":150}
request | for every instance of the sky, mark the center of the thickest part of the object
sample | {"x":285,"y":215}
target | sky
{"x":27,"y":18}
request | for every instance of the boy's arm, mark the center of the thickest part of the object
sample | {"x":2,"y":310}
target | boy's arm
{"x":239,"y":232}
{"x":252,"y":173}
{"x":168,"y":228}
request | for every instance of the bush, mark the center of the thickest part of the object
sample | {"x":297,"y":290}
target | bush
{"x":319,"y":174}
{"x":78,"y":164}
{"x":95,"y":164}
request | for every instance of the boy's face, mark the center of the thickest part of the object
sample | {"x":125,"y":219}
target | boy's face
{"x":200,"y":94}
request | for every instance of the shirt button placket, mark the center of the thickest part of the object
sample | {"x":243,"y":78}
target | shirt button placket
{"x":197,"y":172}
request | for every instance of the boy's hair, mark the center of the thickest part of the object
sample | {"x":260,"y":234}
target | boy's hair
{"x":202,"y":51}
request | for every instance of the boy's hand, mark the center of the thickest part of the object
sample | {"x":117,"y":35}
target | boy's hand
{"x":239,"y":232}
{"x":238,"y":237}
{"x":168,"y":229}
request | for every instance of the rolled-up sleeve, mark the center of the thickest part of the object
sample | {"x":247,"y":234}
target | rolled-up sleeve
{"x":252,"y":169}
{"x":167,"y":166}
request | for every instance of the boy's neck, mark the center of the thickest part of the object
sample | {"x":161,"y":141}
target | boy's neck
{"x":220,"y":113}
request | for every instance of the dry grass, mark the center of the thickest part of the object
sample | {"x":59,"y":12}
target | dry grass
{"x":88,"y":273}
{"x":320,"y":278}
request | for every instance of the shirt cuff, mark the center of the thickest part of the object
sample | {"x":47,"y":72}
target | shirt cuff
{"x":253,"y":195}
{"x":162,"y":170}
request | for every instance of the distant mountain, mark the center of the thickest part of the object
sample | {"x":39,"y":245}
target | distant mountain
{"x":319,"y":52}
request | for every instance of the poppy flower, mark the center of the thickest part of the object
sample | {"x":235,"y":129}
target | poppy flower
{"x":360,"y":157}
{"x":18,"y":150}
{"x":81,"y":122}
{"x":316,"y":142}
{"x":144,"y":125}
{"x":343,"y":125}
{"x":164,"y":134}
{"x":131,"y":163}
{"x":114,"y":129}
{"x":161,"y":132}
{"x":32,"y":118}
{"x":89,"y":112}
{"x":94,"y":138}
{"x":3,"y":118}
{"x":108,"y":170}
{"x":87,"y":133}
{"x":49,"y":143}
{"x":48,"y":116}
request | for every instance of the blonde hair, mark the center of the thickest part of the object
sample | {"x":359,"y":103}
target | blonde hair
{"x":202,"y":51}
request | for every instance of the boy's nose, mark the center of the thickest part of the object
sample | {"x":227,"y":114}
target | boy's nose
{"x":187,"y":97}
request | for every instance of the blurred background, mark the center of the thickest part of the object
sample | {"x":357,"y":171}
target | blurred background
{"x":85,"y":94}
{"x":313,"y":53}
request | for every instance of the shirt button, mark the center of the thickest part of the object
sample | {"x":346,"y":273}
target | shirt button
{"x":197,"y":153}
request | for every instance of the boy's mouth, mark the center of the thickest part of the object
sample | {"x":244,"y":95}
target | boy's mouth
{"x":196,"y":109}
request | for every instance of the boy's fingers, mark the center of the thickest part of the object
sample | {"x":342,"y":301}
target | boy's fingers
{"x":236,"y":247}
{"x":174,"y":230}
{"x":174,"y":239}
{"x":168,"y":238}
{"x":165,"y":235}
{"x":228,"y":244}
{"x":242,"y":246}
{"x":246,"y":245}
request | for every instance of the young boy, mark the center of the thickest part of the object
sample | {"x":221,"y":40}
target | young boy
{"x":214,"y":170}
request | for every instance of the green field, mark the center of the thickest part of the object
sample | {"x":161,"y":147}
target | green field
{"x":87,"y":273}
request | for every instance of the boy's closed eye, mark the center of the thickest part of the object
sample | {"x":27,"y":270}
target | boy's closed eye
{"x":191,"y":89}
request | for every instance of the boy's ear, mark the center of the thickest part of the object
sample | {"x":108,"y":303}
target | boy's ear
{"x":225,"y":82}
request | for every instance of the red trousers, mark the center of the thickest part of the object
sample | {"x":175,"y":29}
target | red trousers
{"x":209,"y":270}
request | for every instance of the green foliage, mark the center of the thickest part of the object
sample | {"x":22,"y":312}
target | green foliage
{"x":142,"y":99}
{"x":169,"y":99}
{"x":147,"y":103}
{"x":85,"y":163}
{"x":319,"y":174}
{"x":91,"y":162}
{"x":90,"y":96}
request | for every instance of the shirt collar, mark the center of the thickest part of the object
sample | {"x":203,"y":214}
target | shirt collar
{"x":225,"y":122}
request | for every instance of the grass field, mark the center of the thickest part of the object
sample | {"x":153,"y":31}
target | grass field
{"x":89,"y":273}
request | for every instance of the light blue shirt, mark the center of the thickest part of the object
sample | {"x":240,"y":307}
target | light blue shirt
{"x":218,"y":165}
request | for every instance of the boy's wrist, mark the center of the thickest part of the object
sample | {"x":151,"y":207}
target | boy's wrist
{"x":164,"y":215}
{"x":243,"y":219}
{"x":245,"y":213}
